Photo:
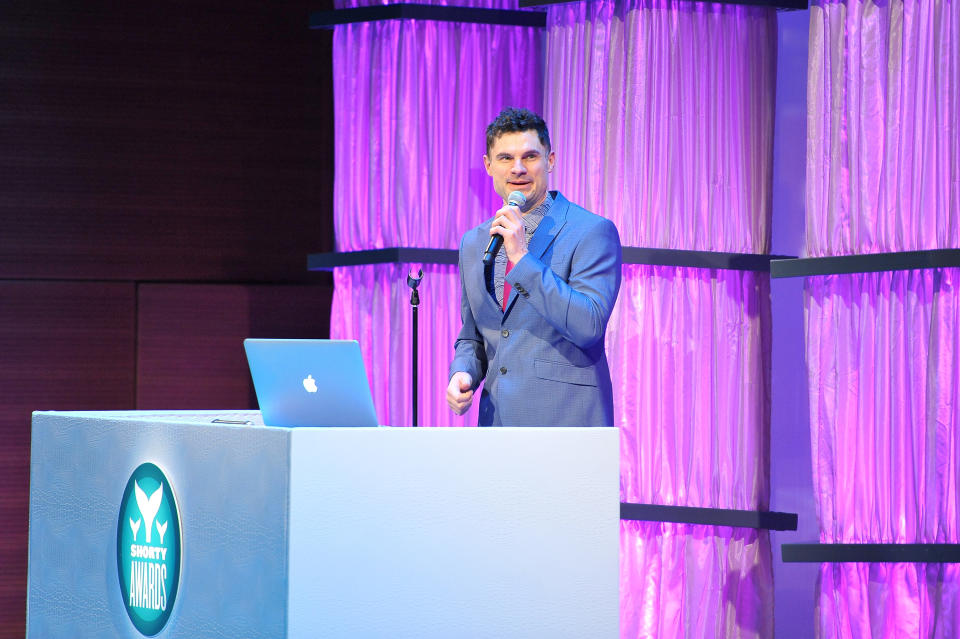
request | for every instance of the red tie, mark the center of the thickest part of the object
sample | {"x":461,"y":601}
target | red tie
{"x":506,"y":285}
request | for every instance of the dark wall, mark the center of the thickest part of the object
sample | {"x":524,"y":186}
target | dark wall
{"x":165,"y":168}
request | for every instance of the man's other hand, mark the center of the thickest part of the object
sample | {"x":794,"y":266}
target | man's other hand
{"x":459,"y":393}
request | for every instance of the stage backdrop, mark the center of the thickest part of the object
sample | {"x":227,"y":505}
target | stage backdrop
{"x":411,"y":102}
{"x":662,"y":118}
{"x":883,"y":174}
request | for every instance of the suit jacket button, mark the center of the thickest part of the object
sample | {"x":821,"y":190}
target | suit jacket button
{"x":503,"y":370}
{"x":505,"y":332}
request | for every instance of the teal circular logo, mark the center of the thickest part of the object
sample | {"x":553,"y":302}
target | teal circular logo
{"x":148,"y":549}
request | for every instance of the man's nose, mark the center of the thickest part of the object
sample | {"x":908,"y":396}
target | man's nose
{"x":518,"y":168}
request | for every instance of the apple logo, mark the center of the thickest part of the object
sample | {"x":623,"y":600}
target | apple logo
{"x":310,"y":384}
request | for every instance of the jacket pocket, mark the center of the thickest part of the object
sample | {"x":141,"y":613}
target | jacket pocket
{"x":568,"y":373}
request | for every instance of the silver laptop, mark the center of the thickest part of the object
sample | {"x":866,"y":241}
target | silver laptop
{"x":310,"y":382}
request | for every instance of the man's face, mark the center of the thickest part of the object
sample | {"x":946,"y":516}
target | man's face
{"x":518,"y":162}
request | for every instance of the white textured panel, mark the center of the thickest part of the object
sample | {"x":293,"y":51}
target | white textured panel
{"x":491,"y":532}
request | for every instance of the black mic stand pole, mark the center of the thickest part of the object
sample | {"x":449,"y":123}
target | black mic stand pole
{"x":413,"y":283}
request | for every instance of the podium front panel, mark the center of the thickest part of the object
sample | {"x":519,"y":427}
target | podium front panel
{"x":454,"y":532}
{"x":230,"y":483}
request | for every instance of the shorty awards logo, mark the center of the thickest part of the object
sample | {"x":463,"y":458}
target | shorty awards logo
{"x":148,"y":549}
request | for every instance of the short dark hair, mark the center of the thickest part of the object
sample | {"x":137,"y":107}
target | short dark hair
{"x":513,"y":120}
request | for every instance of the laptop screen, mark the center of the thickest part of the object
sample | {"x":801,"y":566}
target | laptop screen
{"x":310,"y":382}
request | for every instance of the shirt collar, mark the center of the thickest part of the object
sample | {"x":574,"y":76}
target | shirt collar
{"x":533,"y":217}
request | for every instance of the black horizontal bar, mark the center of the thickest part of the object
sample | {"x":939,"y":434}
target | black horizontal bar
{"x":699,"y":259}
{"x":777,"y":4}
{"x":631,"y":255}
{"x":397,"y":255}
{"x":441,"y":13}
{"x":709,"y":516}
{"x":869,"y":263}
{"x":871,"y":553}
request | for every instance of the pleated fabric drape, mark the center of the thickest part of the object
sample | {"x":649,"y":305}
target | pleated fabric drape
{"x":883,"y":175}
{"x":411,"y":101}
{"x":883,"y":127}
{"x":662,"y":116}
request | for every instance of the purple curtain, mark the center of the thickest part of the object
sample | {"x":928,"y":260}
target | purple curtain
{"x":883,"y":127}
{"x":883,"y":349}
{"x":693,"y":386}
{"x":663,"y":113}
{"x":372,"y":305}
{"x":694,"y":581}
{"x":411,"y":102}
{"x":662,"y":119}
{"x":882,"y":356}
{"x":883,"y":174}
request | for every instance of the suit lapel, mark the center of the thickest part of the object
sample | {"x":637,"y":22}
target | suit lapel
{"x":490,"y":304}
{"x":549,"y":226}
{"x":544,"y":236}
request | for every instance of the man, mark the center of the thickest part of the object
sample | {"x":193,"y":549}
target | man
{"x":541,"y":352}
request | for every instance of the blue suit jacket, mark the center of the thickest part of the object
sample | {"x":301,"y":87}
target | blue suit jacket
{"x":543,"y":359}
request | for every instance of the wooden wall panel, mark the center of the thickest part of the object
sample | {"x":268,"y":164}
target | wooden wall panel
{"x":190,"y":339}
{"x":186,"y":141}
{"x":63,"y":346}
{"x":146,"y":141}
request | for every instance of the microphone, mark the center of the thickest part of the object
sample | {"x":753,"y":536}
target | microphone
{"x":517,"y":199}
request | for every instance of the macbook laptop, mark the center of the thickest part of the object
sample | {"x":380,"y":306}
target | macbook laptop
{"x":310,"y":382}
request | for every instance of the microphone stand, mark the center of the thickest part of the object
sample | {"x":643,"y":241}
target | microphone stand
{"x":413,"y":283}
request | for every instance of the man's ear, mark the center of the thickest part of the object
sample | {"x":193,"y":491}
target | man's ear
{"x":551,"y":161}
{"x":486,"y":165}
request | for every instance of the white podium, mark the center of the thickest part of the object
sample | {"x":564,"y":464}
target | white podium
{"x":324,"y":532}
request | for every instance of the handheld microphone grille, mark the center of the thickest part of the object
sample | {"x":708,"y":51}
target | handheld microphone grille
{"x":517,"y":199}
